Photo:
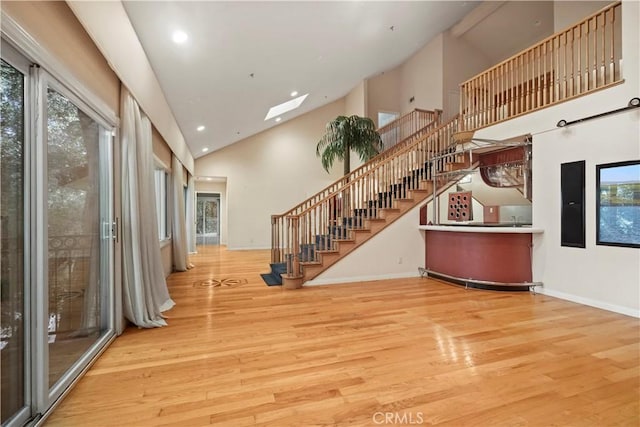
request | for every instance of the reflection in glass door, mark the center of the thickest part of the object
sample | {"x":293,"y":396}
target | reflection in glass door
{"x":56,"y":284}
{"x":13,"y":336}
{"x":208,"y":219}
{"x":78,"y":256}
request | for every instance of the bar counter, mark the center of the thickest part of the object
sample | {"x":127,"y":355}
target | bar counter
{"x":494,"y":256}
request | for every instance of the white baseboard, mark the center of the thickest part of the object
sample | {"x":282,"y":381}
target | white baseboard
{"x":322,"y":282}
{"x":590,"y":302}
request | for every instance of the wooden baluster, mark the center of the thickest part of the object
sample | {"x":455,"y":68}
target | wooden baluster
{"x":511,"y":91}
{"x":557,"y":68}
{"x":571,"y":65}
{"x":484,"y":93}
{"x":520,"y":84}
{"x":461,"y":110}
{"x":587,"y":51}
{"x":527,"y":80}
{"x":579,"y":66}
{"x":612,"y":63}
{"x":295,"y":245}
{"x":478,"y":105}
{"x":594,"y":67}
{"x":538,"y":76}
{"x":502,"y":87}
{"x":492,"y":95}
{"x":603,"y":55}
{"x":562,"y":51}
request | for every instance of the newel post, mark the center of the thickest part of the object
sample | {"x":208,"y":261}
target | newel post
{"x":294,"y":246}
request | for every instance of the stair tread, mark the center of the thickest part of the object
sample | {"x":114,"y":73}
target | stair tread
{"x":325,"y":252}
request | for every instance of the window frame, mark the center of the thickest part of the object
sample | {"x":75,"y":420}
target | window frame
{"x":163,"y":201}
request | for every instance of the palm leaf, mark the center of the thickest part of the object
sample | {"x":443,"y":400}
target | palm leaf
{"x":348,"y":133}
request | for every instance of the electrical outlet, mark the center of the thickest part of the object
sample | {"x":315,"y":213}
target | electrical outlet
{"x":400,"y":260}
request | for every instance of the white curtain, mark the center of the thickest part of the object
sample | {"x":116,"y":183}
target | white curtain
{"x":145,"y":293}
{"x":178,"y":225}
{"x":191,"y":229}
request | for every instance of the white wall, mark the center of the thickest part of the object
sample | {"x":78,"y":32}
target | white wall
{"x":356,"y":104}
{"x":461,"y":61}
{"x":601,"y":276}
{"x":421,"y":77}
{"x":220,"y":188}
{"x":269,"y":173}
{"x":108,"y":25}
{"x":383,"y":93}
{"x":397,"y":251}
{"x":567,"y":13}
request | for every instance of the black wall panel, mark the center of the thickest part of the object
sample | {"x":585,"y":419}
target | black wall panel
{"x":572,"y":224}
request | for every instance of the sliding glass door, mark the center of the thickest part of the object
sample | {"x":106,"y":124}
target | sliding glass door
{"x":57,"y":238}
{"x":78,"y":243}
{"x":14,"y":290}
{"x":208,"y":219}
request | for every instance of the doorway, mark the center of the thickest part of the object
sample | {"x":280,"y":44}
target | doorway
{"x":392,"y":136}
{"x":208,"y":219}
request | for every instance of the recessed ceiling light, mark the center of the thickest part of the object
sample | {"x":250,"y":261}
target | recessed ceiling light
{"x":179,"y":36}
{"x":200,"y":128}
{"x":205,"y":149}
{"x":278,"y":119}
{"x":294,"y":93}
{"x":285,"y":106}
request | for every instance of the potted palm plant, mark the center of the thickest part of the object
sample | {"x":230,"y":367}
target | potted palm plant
{"x":345,"y":134}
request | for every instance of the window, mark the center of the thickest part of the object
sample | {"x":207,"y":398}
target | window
{"x":161,"y":180}
{"x":618,"y":204}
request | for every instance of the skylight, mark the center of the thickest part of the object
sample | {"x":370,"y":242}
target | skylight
{"x":285,"y":107}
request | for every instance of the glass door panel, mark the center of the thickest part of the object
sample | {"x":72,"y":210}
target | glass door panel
{"x":207,"y":221}
{"x":12,"y":293}
{"x":75,"y":289}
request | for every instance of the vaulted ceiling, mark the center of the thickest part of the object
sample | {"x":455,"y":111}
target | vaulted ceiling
{"x":241,"y":58}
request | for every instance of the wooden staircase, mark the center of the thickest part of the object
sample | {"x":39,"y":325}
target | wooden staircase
{"x":364,"y":203}
{"x":356,"y":236}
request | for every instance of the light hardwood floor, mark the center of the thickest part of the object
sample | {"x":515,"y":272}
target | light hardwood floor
{"x":409,"y":351}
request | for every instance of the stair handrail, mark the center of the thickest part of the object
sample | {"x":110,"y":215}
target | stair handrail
{"x":328,"y":212}
{"x":430,"y":119}
{"x":430,"y":125}
{"x":379,"y":165}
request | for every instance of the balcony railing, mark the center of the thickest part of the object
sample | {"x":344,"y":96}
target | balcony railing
{"x":568,"y":64}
